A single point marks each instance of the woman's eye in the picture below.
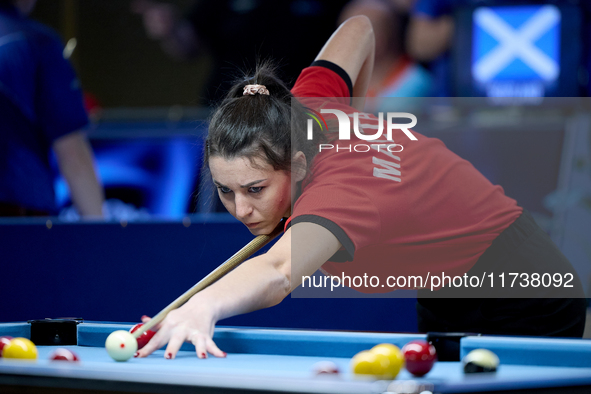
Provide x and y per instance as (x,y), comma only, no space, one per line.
(224,189)
(256,189)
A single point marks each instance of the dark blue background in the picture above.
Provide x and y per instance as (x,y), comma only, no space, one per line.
(107,272)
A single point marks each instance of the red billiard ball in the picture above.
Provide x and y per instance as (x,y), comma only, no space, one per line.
(419,357)
(325,368)
(62,354)
(144,338)
(3,342)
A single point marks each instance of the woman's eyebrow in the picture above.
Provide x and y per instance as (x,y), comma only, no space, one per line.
(253,183)
(243,186)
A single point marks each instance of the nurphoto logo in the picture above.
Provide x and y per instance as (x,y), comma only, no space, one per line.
(366,127)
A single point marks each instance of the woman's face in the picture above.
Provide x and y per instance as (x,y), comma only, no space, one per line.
(257,195)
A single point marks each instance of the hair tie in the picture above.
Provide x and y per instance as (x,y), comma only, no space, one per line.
(254,89)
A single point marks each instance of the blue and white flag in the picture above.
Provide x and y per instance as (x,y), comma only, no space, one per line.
(516,44)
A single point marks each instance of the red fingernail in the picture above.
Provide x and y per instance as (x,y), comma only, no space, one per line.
(225,354)
(168,356)
(136,354)
(203,355)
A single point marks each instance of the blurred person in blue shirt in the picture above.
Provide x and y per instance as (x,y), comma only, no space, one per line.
(429,38)
(41,108)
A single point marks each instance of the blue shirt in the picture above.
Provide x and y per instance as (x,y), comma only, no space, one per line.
(440,67)
(40,101)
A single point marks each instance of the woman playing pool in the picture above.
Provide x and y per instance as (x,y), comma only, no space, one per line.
(417,209)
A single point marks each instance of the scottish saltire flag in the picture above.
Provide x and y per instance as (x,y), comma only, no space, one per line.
(519,43)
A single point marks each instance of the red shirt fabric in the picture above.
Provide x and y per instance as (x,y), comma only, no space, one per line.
(418,211)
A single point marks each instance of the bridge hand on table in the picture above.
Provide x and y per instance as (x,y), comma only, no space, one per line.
(185,324)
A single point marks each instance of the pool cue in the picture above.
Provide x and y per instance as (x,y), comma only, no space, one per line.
(233,262)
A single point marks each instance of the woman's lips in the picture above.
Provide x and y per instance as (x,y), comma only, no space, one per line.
(252,225)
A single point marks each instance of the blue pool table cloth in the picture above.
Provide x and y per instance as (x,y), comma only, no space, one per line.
(282,360)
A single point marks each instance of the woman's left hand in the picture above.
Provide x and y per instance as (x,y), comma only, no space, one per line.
(189,323)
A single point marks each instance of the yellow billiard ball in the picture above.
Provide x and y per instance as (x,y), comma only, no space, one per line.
(21,348)
(394,355)
(369,363)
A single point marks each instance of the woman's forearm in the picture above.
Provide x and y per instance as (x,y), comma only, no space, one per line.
(256,284)
(265,280)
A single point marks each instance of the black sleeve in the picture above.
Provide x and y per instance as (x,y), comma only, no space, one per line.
(337,69)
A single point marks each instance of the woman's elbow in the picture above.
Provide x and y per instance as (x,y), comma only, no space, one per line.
(281,282)
(361,25)
(282,287)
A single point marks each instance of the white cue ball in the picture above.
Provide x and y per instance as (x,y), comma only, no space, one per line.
(121,345)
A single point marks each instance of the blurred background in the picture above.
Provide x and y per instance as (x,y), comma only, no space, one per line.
(150,72)
(117,63)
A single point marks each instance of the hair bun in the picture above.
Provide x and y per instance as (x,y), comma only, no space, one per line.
(254,89)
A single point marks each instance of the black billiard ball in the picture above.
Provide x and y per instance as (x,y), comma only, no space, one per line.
(480,360)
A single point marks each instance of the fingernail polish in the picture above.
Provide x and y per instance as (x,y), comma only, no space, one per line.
(136,354)
(225,354)
(203,355)
(168,356)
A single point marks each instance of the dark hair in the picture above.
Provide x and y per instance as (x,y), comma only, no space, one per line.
(260,125)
